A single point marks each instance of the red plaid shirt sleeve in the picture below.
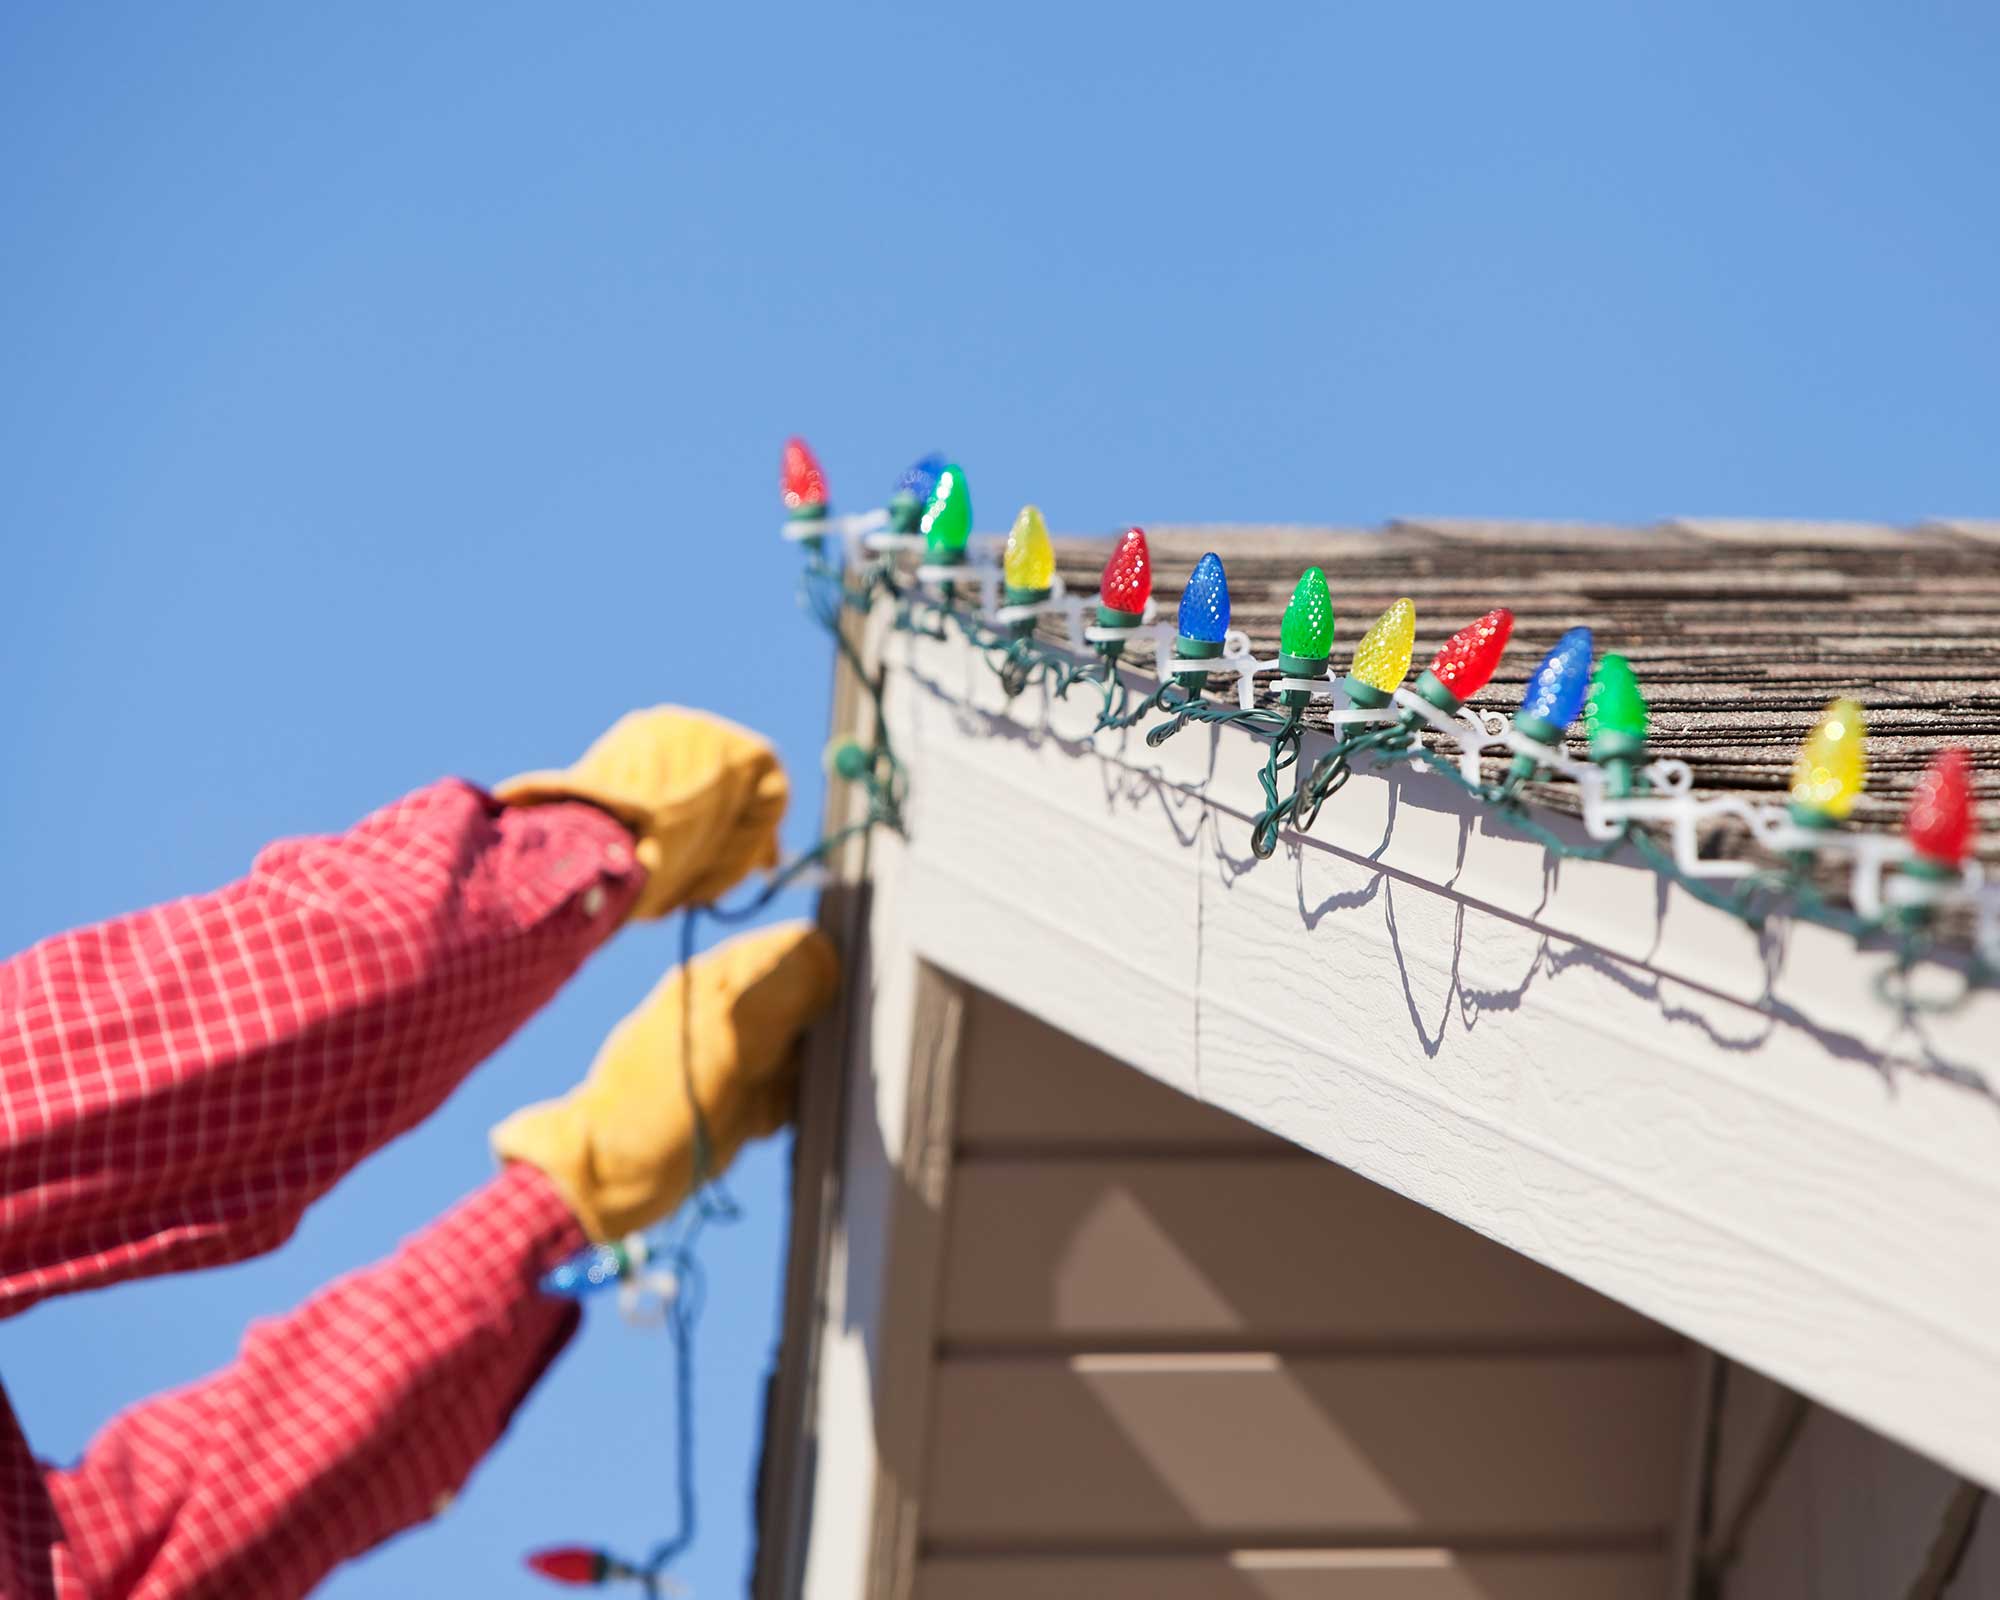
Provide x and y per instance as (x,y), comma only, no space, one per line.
(352,1418)
(177,1085)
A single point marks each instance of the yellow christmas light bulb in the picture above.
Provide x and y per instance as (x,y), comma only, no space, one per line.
(1030,562)
(1382,658)
(1833,763)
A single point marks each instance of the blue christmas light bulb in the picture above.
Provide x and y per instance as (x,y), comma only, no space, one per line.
(1554,697)
(913,491)
(597,1267)
(1205,602)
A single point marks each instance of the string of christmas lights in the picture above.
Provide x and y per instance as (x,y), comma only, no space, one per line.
(1898,884)
(657,1275)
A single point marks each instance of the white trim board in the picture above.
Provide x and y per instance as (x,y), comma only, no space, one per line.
(1611,1078)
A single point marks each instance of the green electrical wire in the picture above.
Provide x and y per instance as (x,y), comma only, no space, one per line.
(1754,899)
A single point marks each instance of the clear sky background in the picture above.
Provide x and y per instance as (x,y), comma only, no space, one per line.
(388,392)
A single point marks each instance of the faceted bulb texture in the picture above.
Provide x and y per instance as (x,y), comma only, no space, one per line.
(1205,601)
(1030,562)
(801,481)
(1833,762)
(1307,631)
(1128,576)
(1467,659)
(1939,823)
(920,478)
(947,522)
(1555,693)
(1382,658)
(1616,705)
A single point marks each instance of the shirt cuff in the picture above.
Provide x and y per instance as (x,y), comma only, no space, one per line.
(569,850)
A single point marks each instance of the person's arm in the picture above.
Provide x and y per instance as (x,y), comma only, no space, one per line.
(362,1412)
(356,1416)
(177,1085)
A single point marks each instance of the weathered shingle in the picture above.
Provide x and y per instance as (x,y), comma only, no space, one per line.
(1739,638)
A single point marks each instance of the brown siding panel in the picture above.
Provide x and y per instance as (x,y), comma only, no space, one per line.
(1304,1575)
(1130,1449)
(1028,1085)
(1238,1251)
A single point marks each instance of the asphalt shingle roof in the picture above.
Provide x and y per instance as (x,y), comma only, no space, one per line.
(1740,631)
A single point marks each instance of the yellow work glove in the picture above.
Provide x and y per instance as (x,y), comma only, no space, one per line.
(621,1145)
(702,797)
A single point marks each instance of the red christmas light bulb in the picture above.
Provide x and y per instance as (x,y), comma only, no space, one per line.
(573,1564)
(1467,659)
(1128,575)
(803,483)
(1939,823)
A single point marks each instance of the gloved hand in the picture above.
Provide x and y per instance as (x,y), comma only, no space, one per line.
(702,797)
(620,1146)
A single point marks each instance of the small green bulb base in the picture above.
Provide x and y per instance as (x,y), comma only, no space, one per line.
(1437,694)
(1112,617)
(816,512)
(1926,869)
(1812,816)
(1021,627)
(846,760)
(943,556)
(1195,650)
(1300,667)
(906,512)
(1542,731)
(1618,754)
(1364,696)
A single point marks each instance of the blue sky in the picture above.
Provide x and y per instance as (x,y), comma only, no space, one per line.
(392,392)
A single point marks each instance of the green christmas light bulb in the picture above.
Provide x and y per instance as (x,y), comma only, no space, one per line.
(1616,720)
(1307,632)
(1308,627)
(947,520)
(1305,638)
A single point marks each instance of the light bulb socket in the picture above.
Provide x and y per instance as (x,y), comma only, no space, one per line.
(1364,696)
(1542,731)
(1607,746)
(1112,617)
(1433,690)
(943,556)
(847,760)
(1619,778)
(1816,817)
(1195,650)
(1933,869)
(815,511)
(1021,627)
(1618,754)
(1300,667)
(906,512)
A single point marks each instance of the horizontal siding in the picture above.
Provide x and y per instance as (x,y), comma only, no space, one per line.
(1176,1356)
(1433,1574)
(1243,1252)
(1133,1449)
